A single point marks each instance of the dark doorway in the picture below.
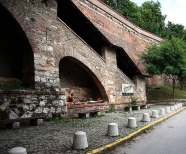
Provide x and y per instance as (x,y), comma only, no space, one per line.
(16,55)
(75,76)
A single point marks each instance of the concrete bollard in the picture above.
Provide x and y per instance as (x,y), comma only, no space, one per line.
(112,129)
(17,150)
(155,113)
(80,140)
(162,111)
(146,117)
(167,109)
(132,122)
(175,107)
(172,108)
(181,105)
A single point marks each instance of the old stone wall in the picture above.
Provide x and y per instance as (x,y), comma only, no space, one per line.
(53,43)
(32,103)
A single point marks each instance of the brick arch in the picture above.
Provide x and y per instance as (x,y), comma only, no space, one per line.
(16,54)
(74,74)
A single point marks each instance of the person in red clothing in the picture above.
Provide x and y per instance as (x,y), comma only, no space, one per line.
(70,98)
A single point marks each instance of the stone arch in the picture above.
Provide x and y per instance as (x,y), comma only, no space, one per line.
(74,75)
(16,54)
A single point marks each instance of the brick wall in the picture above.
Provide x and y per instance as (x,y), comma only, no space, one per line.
(117,29)
(57,49)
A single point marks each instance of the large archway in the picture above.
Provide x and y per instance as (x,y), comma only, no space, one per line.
(16,54)
(76,76)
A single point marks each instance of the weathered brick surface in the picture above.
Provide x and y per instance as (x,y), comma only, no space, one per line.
(52,41)
(117,29)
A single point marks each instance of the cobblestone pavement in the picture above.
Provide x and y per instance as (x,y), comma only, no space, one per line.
(56,137)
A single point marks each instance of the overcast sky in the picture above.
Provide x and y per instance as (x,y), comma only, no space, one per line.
(174,9)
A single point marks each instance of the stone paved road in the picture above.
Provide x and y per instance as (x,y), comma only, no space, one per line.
(56,137)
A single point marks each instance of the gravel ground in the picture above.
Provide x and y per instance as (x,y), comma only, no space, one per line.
(56,137)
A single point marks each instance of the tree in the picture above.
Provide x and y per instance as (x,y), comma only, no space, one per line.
(126,8)
(152,19)
(174,30)
(168,58)
(148,16)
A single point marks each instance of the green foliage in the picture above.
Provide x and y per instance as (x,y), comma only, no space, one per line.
(13,84)
(151,17)
(134,101)
(56,115)
(99,116)
(127,109)
(148,16)
(126,8)
(165,92)
(168,58)
(174,30)
(111,108)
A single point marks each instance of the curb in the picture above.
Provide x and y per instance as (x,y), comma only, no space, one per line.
(108,147)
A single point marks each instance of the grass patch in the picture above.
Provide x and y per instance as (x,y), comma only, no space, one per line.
(165,92)
(58,120)
(99,116)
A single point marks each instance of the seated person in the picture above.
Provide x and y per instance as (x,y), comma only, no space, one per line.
(70,98)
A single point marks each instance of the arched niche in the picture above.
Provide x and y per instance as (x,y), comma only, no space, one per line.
(76,76)
(16,55)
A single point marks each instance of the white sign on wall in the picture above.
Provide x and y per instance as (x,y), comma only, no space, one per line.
(127,89)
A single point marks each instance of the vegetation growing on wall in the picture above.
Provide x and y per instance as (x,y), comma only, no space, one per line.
(13,84)
(149,17)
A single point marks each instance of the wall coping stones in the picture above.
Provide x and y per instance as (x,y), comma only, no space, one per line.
(32,92)
(128,23)
(85,105)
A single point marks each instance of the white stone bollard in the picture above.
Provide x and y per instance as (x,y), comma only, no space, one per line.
(112,129)
(132,122)
(80,140)
(167,109)
(172,108)
(17,150)
(181,104)
(145,117)
(155,113)
(175,107)
(178,105)
(162,111)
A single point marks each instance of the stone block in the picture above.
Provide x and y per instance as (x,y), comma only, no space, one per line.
(13,115)
(16,125)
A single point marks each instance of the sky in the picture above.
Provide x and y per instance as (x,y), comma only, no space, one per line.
(174,9)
